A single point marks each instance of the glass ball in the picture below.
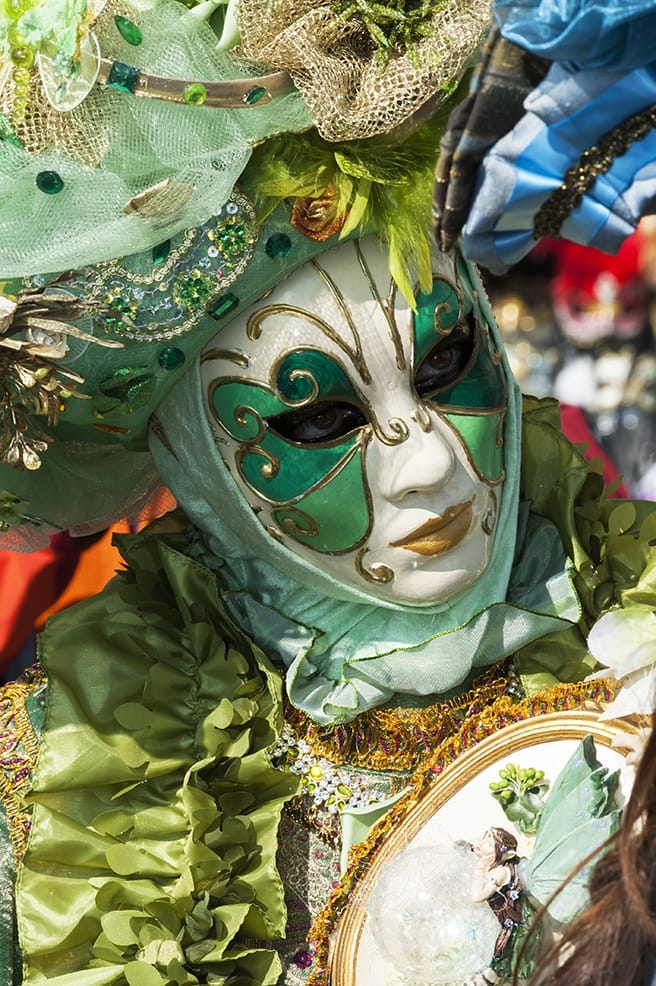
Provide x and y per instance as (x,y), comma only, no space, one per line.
(424,921)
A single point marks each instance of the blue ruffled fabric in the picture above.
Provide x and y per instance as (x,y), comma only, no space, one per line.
(567,114)
(614,34)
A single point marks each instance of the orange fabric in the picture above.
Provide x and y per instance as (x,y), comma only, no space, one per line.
(96,566)
(98,563)
(27,582)
(35,585)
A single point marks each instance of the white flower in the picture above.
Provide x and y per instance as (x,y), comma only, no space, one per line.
(624,641)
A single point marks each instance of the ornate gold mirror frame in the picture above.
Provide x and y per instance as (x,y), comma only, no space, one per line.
(515,740)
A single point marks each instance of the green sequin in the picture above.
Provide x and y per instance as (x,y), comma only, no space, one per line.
(195,288)
(123,77)
(171,358)
(49,182)
(254,95)
(128,30)
(278,246)
(195,94)
(161,251)
(223,306)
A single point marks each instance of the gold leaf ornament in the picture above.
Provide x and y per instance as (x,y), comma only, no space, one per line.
(34,327)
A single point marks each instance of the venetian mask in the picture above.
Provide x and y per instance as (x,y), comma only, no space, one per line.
(365,436)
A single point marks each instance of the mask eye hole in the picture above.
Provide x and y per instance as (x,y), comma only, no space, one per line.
(446,361)
(320,423)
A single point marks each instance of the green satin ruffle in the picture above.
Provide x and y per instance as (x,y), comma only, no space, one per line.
(612,543)
(156,807)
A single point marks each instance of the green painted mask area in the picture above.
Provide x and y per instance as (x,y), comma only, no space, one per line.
(308,372)
(275,468)
(442,308)
(281,471)
(483,387)
(241,406)
(479,432)
(334,518)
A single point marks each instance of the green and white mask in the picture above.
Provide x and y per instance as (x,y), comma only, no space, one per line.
(365,436)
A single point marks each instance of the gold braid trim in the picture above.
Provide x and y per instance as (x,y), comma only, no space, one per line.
(501,713)
(581,176)
(19,747)
(400,739)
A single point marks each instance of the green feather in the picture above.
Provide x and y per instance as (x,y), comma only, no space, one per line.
(384,186)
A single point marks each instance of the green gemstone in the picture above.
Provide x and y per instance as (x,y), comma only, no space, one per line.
(49,182)
(195,94)
(254,95)
(278,246)
(223,306)
(123,77)
(171,358)
(128,30)
(161,251)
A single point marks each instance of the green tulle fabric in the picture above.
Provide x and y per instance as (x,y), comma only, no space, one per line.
(156,808)
(612,543)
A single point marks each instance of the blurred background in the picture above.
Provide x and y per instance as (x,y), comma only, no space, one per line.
(579,325)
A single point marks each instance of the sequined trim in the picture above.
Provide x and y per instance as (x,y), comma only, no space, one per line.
(326,790)
(400,738)
(477,727)
(19,747)
(580,178)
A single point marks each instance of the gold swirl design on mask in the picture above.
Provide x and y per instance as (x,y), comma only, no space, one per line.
(398,431)
(251,446)
(242,413)
(386,306)
(306,375)
(232,355)
(443,307)
(269,470)
(421,416)
(301,373)
(378,574)
(307,527)
(255,327)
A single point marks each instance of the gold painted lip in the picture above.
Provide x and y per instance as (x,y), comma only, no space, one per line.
(440,533)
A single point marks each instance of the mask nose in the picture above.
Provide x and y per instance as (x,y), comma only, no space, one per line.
(424,461)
